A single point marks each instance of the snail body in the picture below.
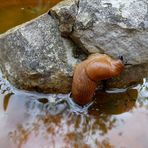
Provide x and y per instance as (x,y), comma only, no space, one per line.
(95,68)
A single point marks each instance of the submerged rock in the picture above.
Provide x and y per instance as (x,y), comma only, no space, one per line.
(34,56)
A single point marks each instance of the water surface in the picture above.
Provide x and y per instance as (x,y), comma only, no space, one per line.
(16,12)
(115,119)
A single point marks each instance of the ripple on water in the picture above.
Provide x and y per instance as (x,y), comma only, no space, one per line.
(31,119)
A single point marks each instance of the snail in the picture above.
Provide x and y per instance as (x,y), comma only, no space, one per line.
(95,68)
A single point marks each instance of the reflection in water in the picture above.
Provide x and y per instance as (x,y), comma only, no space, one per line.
(6,100)
(115,103)
(47,120)
(143,93)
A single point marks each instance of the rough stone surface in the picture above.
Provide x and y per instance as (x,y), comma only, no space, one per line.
(34,56)
(115,27)
(65,12)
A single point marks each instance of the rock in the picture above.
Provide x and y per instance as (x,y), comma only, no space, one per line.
(117,28)
(35,57)
(65,12)
(131,76)
(112,27)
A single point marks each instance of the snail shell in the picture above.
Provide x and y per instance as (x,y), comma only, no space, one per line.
(95,68)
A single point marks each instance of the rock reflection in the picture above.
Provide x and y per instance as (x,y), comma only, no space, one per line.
(35,125)
(6,100)
(69,129)
(46,120)
(143,93)
(115,103)
(65,130)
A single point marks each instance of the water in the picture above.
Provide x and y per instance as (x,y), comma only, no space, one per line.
(16,12)
(116,118)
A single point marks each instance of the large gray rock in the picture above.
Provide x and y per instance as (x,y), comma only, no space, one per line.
(114,27)
(34,56)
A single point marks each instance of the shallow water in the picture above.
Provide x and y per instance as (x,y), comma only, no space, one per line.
(115,119)
(16,12)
